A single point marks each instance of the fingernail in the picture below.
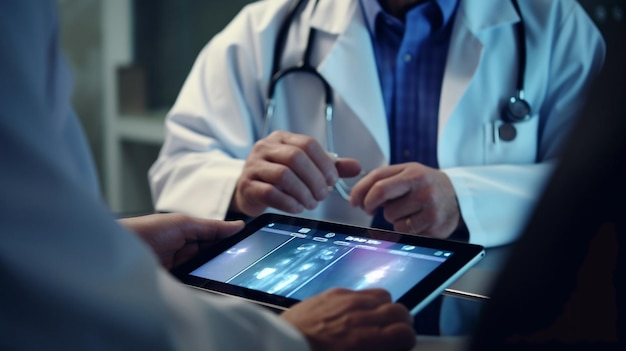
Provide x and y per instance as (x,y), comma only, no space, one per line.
(331,179)
(311,204)
(332,155)
(322,193)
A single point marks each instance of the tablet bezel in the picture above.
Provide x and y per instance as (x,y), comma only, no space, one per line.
(465,255)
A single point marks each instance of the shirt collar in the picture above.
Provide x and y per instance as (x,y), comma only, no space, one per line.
(372,8)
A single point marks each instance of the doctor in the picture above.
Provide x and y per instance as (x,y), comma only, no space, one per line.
(417,91)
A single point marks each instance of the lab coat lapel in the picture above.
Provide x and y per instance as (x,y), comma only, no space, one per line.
(466,48)
(350,66)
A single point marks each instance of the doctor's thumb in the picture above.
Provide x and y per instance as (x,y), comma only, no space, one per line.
(348,167)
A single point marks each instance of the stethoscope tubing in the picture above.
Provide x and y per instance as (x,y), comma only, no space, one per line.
(516,108)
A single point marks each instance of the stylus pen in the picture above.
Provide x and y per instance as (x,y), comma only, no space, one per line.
(465,295)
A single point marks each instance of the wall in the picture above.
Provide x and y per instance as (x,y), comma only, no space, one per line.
(167,36)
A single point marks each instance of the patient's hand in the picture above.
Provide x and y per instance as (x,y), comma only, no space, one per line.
(341,319)
(175,237)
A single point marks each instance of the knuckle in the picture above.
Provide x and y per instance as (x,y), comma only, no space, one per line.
(348,321)
(294,155)
(308,143)
(265,193)
(282,175)
(259,147)
(417,178)
(376,173)
(244,183)
(352,304)
(336,291)
(396,310)
(277,134)
(383,294)
(380,189)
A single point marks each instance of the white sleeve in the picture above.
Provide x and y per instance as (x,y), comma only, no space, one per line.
(72,278)
(217,116)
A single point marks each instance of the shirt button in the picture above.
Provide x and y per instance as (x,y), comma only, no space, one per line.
(407,57)
(406,153)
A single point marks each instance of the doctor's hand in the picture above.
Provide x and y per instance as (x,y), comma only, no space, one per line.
(415,198)
(341,319)
(176,238)
(289,172)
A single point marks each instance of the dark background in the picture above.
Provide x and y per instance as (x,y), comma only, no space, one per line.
(169,34)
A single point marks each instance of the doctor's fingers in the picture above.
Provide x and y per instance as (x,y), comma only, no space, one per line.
(432,223)
(296,161)
(380,186)
(408,215)
(435,217)
(348,167)
(417,223)
(297,146)
(252,197)
(285,191)
(429,209)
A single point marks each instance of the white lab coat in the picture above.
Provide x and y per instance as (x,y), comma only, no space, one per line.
(72,278)
(219,113)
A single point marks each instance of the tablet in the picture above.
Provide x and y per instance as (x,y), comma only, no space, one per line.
(278,260)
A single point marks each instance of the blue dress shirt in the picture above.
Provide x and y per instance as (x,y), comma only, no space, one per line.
(411,57)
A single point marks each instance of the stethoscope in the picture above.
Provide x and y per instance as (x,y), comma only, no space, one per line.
(516,108)
(303,67)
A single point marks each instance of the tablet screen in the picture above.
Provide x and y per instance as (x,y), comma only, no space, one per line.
(299,262)
(281,260)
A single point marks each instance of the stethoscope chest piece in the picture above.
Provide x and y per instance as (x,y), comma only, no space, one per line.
(517,109)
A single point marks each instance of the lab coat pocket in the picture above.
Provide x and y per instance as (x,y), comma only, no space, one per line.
(507,143)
